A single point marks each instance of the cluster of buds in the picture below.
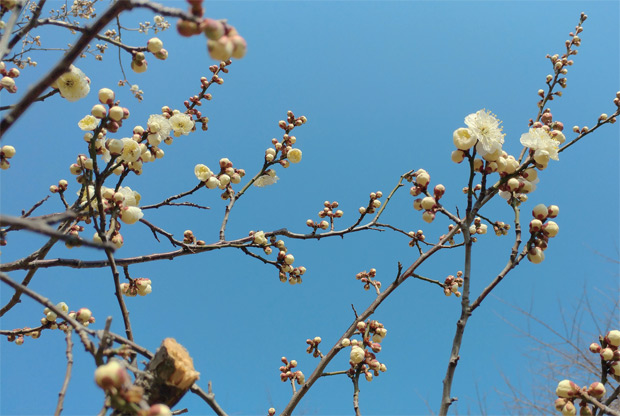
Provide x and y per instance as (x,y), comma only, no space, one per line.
(60,188)
(138,62)
(541,231)
(196,100)
(416,237)
(373,203)
(360,358)
(501,228)
(111,114)
(367,277)
(285,260)
(429,203)
(617,103)
(283,152)
(116,238)
(123,202)
(140,286)
(114,379)
(567,392)
(190,238)
(458,231)
(223,40)
(222,180)
(287,372)
(19,334)
(313,347)
(329,211)
(83,316)
(285,264)
(515,189)
(609,350)
(452,284)
(156,47)
(6,152)
(561,63)
(74,231)
(7,80)
(477,227)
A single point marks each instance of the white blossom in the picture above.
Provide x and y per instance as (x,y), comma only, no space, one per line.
(73,85)
(181,124)
(541,142)
(485,127)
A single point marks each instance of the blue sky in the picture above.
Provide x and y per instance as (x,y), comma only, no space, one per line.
(383,85)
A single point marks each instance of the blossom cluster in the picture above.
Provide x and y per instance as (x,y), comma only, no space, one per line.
(138,59)
(190,238)
(416,237)
(429,204)
(368,278)
(6,152)
(452,284)
(284,261)
(609,351)
(373,204)
(287,372)
(541,231)
(329,211)
(223,40)
(361,359)
(224,179)
(140,286)
(49,321)
(313,347)
(7,78)
(567,391)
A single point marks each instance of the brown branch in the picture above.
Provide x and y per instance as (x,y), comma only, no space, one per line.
(81,329)
(65,384)
(62,65)
(35,206)
(209,398)
(319,370)
(119,295)
(41,227)
(608,410)
(174,197)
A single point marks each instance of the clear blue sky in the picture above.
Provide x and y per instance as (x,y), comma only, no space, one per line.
(383,85)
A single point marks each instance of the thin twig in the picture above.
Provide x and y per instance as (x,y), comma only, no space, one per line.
(65,384)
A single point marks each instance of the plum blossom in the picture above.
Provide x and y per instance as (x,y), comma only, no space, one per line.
(182,124)
(269,178)
(130,215)
(159,128)
(202,172)
(73,85)
(294,156)
(485,127)
(88,123)
(544,146)
(131,150)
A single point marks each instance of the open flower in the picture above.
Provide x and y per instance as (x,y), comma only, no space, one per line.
(131,215)
(269,178)
(181,124)
(540,141)
(159,128)
(73,85)
(131,150)
(88,123)
(485,127)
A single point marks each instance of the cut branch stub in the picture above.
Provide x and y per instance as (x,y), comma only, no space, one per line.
(169,375)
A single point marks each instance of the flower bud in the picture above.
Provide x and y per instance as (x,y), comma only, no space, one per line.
(567,389)
(357,355)
(597,390)
(613,338)
(551,229)
(540,212)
